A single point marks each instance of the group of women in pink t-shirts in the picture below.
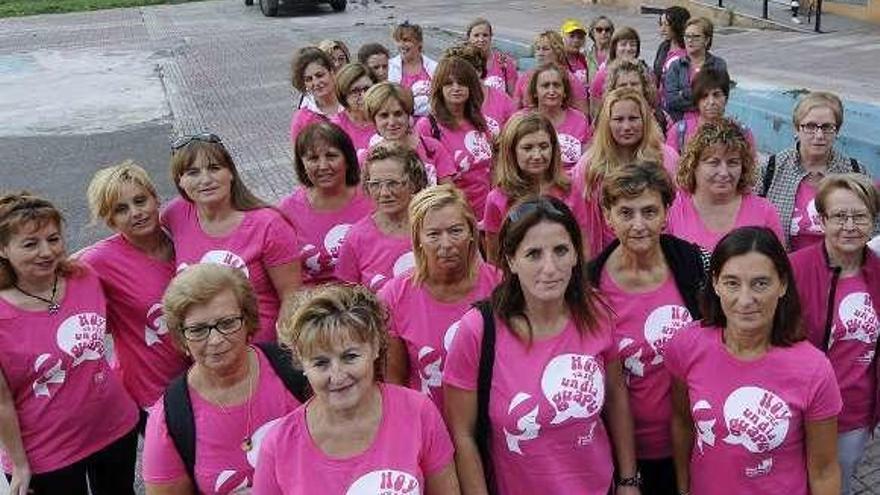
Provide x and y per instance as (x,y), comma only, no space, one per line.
(575,279)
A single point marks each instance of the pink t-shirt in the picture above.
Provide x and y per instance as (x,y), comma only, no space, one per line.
(500,71)
(264,239)
(596,231)
(749,415)
(321,232)
(498,204)
(146,357)
(302,117)
(851,351)
(370,257)
(472,155)
(68,400)
(419,83)
(222,467)
(684,221)
(410,445)
(360,134)
(578,67)
(644,324)
(521,93)
(806,222)
(574,135)
(497,109)
(433,154)
(427,326)
(545,407)
(597,85)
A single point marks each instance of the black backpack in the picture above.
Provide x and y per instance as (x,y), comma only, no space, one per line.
(178,406)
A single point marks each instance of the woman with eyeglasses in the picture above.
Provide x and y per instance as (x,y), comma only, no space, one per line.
(533,387)
(390,107)
(625,133)
(337,51)
(679,77)
(754,404)
(457,121)
(651,279)
(135,266)
(790,178)
(312,74)
(601,30)
(231,396)
(501,70)
(352,83)
(217,219)
(328,200)
(550,94)
(66,422)
(549,48)
(529,164)
(426,304)
(839,285)
(379,246)
(715,179)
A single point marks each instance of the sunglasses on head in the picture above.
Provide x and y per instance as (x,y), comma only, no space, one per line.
(205,137)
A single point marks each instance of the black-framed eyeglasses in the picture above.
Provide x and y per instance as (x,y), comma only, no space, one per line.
(205,137)
(226,326)
(527,208)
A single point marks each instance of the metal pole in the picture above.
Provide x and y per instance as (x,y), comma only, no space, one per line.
(818,16)
(720,4)
(764,13)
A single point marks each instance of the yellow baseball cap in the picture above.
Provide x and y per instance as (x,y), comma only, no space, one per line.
(571,25)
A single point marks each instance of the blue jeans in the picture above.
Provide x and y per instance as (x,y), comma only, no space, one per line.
(850,449)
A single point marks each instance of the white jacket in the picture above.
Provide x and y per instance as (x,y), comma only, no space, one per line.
(395,75)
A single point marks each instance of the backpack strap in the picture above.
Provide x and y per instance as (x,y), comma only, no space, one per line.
(769,172)
(682,134)
(180,423)
(484,389)
(428,150)
(282,364)
(829,313)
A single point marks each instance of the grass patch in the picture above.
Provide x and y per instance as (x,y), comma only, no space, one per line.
(14,8)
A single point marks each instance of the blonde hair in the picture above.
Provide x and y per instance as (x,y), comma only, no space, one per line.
(858,184)
(818,99)
(431,199)
(622,66)
(603,152)
(557,44)
(327,46)
(727,133)
(106,186)
(413,168)
(21,209)
(380,93)
(321,317)
(182,159)
(198,285)
(347,75)
(508,174)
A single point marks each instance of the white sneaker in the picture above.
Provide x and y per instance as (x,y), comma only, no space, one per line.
(795,20)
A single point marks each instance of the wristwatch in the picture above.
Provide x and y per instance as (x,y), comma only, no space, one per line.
(635,481)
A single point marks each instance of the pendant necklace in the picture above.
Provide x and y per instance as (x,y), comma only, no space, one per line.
(247,443)
(53,305)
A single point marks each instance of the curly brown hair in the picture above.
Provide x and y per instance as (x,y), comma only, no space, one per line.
(728,133)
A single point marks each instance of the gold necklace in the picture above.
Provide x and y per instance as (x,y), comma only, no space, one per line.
(247,443)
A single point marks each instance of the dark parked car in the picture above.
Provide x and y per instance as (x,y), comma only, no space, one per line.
(270,7)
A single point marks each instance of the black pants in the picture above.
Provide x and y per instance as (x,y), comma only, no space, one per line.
(110,471)
(658,476)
